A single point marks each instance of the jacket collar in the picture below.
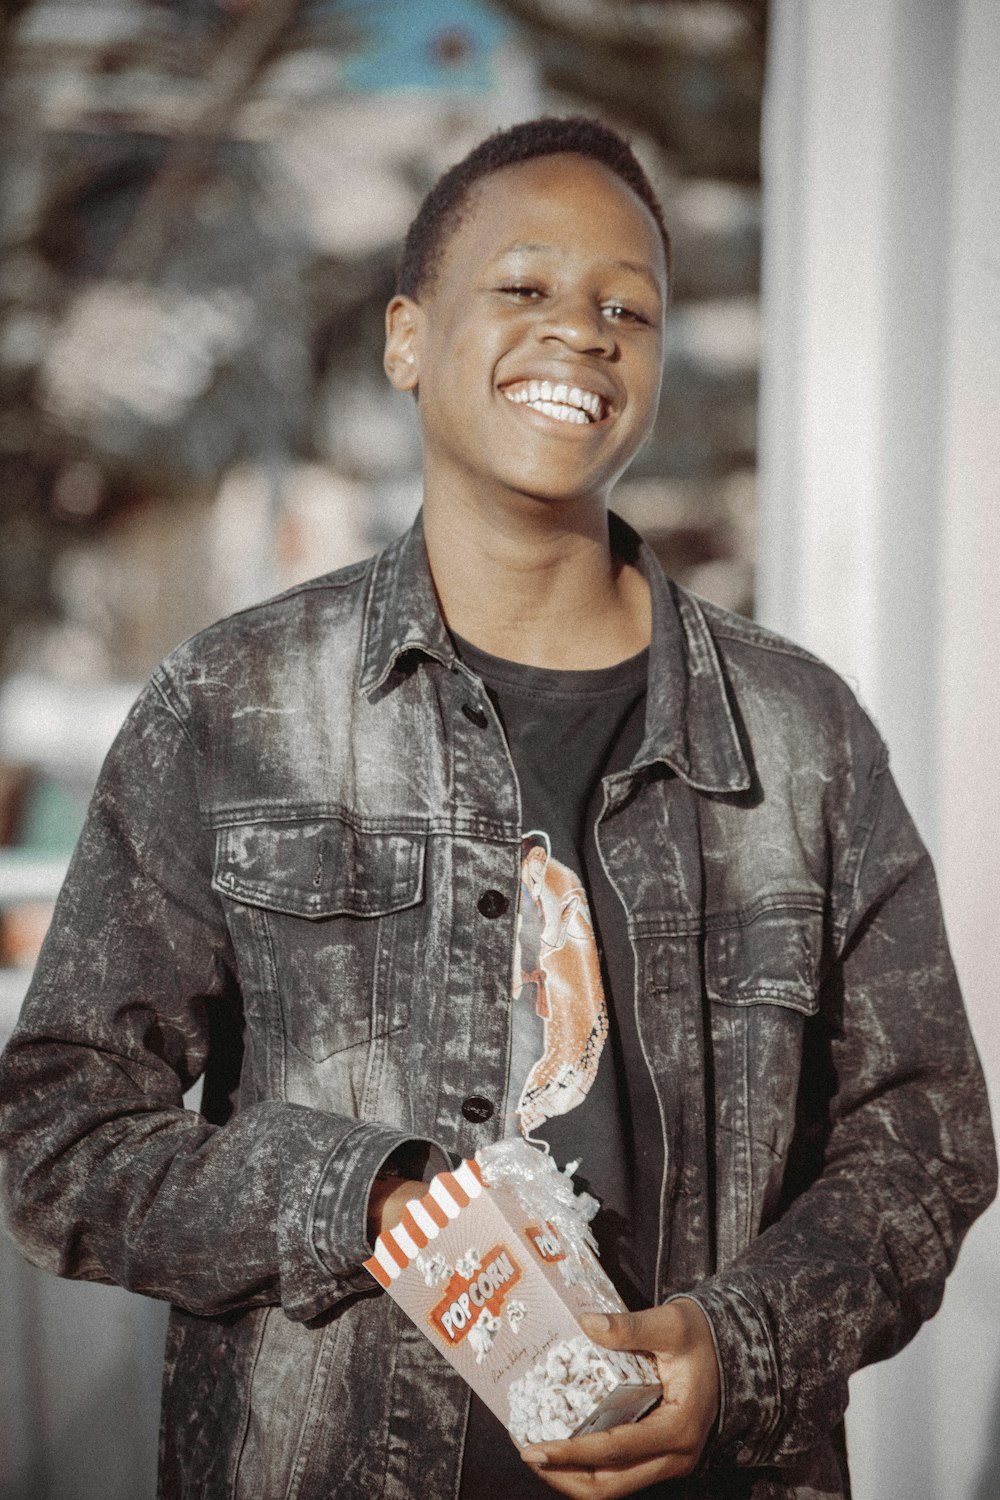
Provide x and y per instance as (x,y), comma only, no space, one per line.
(689,721)
(402,613)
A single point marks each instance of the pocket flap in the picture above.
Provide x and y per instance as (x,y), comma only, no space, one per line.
(772,960)
(319,868)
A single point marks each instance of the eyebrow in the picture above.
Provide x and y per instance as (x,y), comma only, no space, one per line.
(626,265)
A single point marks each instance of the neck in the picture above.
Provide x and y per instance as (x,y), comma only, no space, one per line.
(538,584)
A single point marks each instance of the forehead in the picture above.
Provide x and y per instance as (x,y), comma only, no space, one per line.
(568,203)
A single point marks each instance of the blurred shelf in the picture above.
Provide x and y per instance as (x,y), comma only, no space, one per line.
(30,877)
(13,984)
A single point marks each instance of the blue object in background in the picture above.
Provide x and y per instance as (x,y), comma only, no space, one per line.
(51,820)
(426,45)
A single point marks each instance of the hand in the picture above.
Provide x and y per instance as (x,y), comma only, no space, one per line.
(668,1443)
(387,1200)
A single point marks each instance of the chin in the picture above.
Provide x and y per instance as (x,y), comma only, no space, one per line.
(583,492)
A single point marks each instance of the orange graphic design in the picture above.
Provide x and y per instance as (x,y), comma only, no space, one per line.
(479,1297)
(545,1241)
(556,958)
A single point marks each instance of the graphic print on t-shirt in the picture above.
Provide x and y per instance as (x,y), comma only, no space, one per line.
(557,969)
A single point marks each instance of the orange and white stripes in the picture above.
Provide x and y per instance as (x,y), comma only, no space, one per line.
(423,1220)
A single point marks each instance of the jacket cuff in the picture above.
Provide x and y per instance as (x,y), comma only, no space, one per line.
(339,1210)
(750,1377)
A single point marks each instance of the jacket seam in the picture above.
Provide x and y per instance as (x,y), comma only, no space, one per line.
(457,823)
(857,851)
(248,1403)
(770,993)
(775,644)
(761,1449)
(160,683)
(725,921)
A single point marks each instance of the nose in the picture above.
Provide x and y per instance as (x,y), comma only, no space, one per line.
(579,323)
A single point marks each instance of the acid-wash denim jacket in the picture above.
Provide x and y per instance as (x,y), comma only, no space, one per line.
(280,886)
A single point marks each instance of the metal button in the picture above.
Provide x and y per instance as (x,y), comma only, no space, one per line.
(492,904)
(475,715)
(477,1109)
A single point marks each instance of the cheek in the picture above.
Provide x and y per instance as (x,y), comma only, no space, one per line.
(646,382)
(462,364)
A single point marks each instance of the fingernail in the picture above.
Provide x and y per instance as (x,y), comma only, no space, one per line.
(535,1456)
(595,1323)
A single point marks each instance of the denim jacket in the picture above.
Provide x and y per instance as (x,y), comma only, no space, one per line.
(280,887)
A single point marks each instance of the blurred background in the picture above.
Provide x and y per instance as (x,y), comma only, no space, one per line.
(201,204)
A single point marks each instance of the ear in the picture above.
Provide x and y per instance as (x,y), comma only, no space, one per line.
(403,318)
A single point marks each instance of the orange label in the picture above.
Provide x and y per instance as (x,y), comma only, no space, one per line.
(467,1297)
(545,1242)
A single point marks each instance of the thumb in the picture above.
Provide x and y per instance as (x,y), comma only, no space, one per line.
(668,1329)
(616,1330)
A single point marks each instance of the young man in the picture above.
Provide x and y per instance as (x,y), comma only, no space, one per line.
(501,830)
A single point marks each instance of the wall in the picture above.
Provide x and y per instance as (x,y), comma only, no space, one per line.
(879,478)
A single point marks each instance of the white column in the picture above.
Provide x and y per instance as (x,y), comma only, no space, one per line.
(969,708)
(880,414)
(969,617)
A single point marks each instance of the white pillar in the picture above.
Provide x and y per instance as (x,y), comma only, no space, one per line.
(880,412)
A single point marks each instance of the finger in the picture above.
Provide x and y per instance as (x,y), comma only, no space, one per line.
(655,1328)
(607,1484)
(614,1331)
(668,1434)
(676,1328)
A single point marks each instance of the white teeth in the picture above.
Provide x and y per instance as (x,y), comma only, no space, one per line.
(561,412)
(568,403)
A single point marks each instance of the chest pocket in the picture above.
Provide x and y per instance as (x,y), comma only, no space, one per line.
(762,981)
(335,911)
(772,960)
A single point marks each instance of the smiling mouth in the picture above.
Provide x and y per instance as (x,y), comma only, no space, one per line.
(567,403)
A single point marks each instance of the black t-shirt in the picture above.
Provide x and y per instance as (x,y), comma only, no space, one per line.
(577,1080)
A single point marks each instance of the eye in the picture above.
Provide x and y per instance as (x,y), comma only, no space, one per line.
(617,312)
(522,290)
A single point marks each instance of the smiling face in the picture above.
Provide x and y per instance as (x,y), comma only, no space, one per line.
(538,348)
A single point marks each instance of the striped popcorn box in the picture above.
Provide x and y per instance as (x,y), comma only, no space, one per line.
(499,1293)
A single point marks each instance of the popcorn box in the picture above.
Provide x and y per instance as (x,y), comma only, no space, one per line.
(498,1292)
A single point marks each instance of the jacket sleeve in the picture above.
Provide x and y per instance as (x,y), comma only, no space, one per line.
(106,1175)
(886,1176)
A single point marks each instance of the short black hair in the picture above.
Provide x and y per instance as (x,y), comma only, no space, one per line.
(550,135)
(535,840)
